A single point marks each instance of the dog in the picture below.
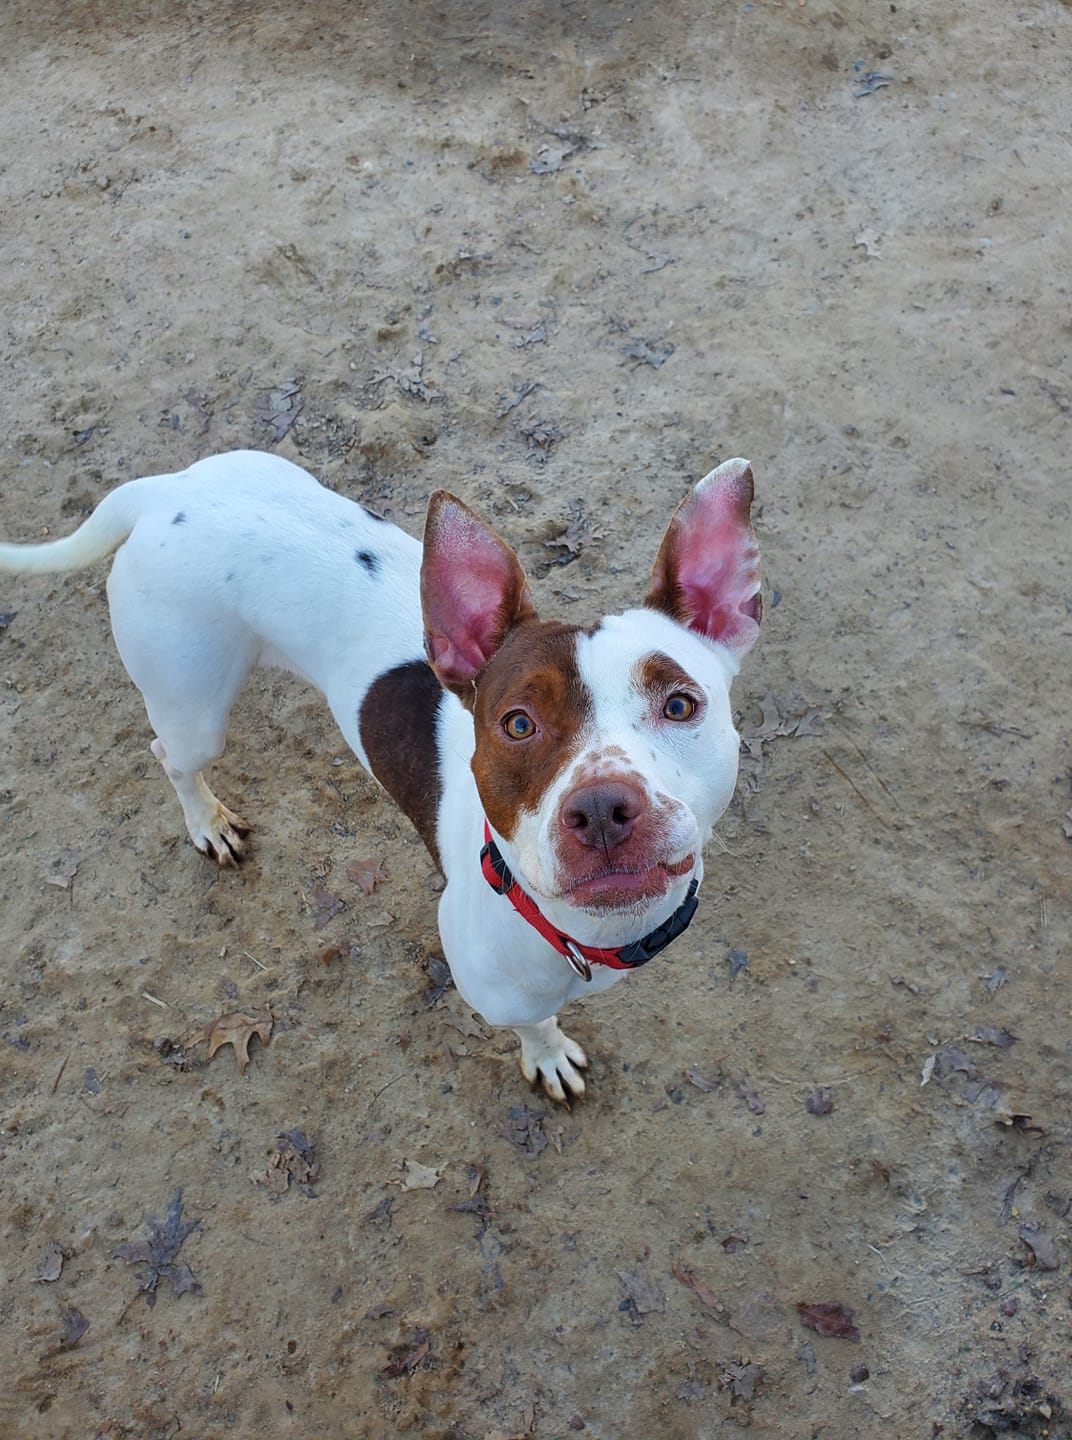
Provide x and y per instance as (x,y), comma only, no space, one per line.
(563,777)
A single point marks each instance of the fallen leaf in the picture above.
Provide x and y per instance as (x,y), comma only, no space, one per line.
(689,1278)
(578,535)
(525,1129)
(74,1326)
(366,874)
(292,1159)
(381,1215)
(741,1379)
(642,1295)
(8,615)
(441,980)
(829,1319)
(738,961)
(418,1176)
(949,1060)
(50,1264)
(703,1082)
(990,1035)
(237,1029)
(158,1253)
(644,352)
(410,1360)
(541,435)
(549,158)
(868,239)
(1041,1248)
(63,869)
(819,1102)
(325,907)
(751,1099)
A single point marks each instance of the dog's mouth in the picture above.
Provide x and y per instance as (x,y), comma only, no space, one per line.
(615,888)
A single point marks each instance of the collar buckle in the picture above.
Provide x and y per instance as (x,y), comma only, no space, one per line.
(574,959)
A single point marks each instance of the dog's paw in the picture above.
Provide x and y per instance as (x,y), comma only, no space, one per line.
(552,1060)
(224,838)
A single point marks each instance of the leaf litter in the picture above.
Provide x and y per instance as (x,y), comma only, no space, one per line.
(236,1028)
(828,1318)
(292,1159)
(159,1253)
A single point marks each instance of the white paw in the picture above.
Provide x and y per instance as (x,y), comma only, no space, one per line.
(554,1061)
(223,838)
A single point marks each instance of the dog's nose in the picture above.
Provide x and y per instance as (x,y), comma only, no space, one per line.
(602,816)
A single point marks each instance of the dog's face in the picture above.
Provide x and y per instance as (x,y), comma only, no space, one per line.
(603,756)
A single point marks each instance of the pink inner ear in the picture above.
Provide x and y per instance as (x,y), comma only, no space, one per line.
(473,591)
(706,574)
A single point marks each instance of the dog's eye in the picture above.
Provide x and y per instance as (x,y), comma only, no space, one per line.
(519,726)
(680,707)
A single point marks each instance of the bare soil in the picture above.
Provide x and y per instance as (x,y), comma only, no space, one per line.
(560,258)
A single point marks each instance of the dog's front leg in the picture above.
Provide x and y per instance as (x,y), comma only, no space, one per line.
(553,1059)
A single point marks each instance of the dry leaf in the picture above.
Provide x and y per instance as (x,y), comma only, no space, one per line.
(366,874)
(868,239)
(741,1379)
(410,1360)
(51,1264)
(63,869)
(74,1325)
(990,1035)
(159,1253)
(830,1319)
(1041,1249)
(292,1159)
(642,1295)
(238,1029)
(326,906)
(418,1176)
(819,1102)
(687,1276)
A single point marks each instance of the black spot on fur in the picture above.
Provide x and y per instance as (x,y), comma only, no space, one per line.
(180,519)
(371,562)
(397,724)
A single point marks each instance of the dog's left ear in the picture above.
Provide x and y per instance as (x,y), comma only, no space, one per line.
(706,575)
(473,591)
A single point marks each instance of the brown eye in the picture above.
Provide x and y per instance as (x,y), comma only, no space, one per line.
(680,707)
(519,726)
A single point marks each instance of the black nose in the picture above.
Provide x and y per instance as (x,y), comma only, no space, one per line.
(602,816)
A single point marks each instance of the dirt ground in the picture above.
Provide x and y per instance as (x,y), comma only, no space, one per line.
(560,258)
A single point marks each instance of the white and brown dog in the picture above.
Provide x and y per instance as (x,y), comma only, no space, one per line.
(565,778)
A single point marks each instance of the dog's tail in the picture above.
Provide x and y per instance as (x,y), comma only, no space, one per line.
(103,532)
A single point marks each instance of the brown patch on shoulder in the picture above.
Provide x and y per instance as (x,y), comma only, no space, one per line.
(397,724)
(535,670)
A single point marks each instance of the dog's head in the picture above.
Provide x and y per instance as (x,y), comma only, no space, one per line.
(603,755)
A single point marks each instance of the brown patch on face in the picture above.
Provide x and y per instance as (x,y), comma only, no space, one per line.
(536,671)
(658,676)
(397,724)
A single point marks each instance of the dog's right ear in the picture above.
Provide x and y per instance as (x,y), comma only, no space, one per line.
(473,591)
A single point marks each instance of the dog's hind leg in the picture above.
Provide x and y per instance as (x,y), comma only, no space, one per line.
(189,667)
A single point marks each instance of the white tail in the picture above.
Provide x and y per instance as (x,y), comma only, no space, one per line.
(103,532)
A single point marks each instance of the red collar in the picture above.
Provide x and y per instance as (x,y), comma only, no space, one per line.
(582,957)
